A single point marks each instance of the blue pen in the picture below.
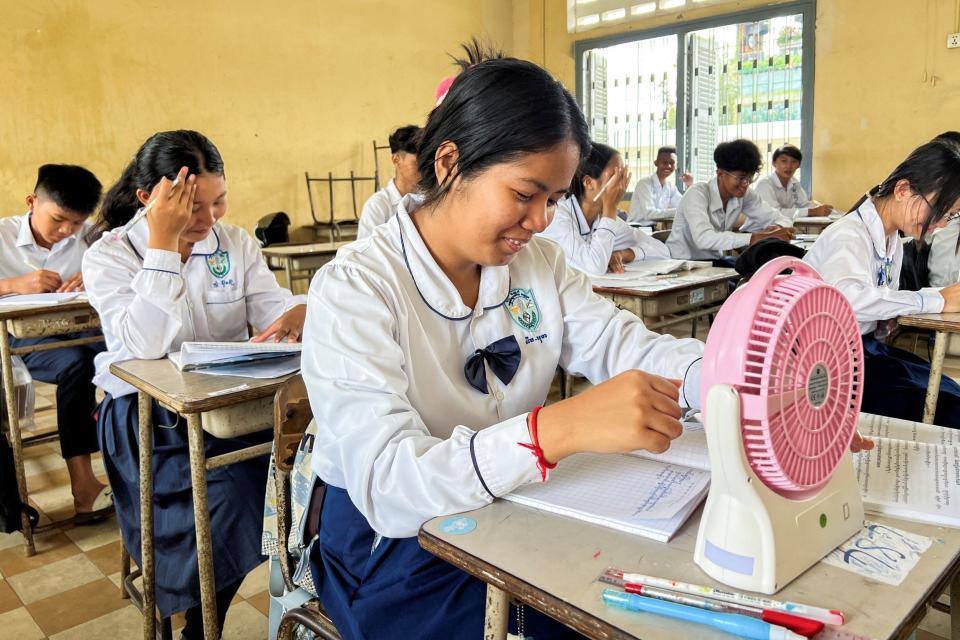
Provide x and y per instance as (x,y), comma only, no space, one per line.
(734,623)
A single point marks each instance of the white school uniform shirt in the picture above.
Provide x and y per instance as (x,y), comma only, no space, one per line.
(386,339)
(702,228)
(20,254)
(378,209)
(790,201)
(589,248)
(149,302)
(653,201)
(852,254)
(944,263)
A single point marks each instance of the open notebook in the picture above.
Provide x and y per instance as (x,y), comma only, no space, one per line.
(650,274)
(641,493)
(914,471)
(204,355)
(41,299)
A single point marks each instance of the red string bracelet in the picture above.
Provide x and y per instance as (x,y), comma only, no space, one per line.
(535,449)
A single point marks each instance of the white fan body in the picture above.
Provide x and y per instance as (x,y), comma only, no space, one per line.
(752,538)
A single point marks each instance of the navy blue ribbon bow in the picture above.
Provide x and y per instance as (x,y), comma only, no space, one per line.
(503,358)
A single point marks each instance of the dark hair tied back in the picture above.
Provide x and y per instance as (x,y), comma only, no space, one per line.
(591,165)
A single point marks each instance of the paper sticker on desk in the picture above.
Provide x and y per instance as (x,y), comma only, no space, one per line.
(697,295)
(879,552)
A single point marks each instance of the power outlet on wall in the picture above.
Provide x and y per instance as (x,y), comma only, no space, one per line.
(953,40)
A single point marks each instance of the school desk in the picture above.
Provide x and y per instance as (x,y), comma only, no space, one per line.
(551,563)
(37,322)
(813,225)
(301,261)
(943,324)
(223,406)
(701,293)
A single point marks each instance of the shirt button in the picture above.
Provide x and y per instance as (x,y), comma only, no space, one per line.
(499,395)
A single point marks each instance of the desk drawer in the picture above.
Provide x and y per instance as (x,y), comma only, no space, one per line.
(53,324)
(685,300)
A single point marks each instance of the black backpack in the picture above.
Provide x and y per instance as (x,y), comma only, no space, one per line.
(10,505)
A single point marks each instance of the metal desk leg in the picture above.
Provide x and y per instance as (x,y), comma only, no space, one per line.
(495,625)
(288,267)
(201,514)
(145,407)
(955,607)
(16,439)
(936,370)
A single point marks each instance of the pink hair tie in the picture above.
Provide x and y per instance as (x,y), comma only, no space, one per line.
(442,88)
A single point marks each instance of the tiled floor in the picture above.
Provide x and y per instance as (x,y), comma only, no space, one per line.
(69,590)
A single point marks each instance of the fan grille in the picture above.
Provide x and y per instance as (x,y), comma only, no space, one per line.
(804,365)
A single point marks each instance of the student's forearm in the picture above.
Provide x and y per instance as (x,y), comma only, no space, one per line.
(7,286)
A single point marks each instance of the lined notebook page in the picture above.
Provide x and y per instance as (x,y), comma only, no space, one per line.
(621,491)
(689,450)
(244,347)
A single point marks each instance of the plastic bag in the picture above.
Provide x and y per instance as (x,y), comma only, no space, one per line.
(24,393)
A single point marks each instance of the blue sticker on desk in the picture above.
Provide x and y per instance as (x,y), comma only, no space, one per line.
(458,525)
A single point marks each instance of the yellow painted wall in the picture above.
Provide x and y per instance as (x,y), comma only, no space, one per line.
(874,98)
(279,87)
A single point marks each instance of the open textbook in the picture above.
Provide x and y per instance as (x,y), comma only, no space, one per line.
(204,355)
(650,274)
(642,493)
(912,473)
(41,299)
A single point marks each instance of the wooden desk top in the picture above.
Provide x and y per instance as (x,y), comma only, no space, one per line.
(191,392)
(824,221)
(316,248)
(935,321)
(11,313)
(705,276)
(553,562)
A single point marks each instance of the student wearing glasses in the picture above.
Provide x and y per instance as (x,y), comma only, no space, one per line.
(706,222)
(861,255)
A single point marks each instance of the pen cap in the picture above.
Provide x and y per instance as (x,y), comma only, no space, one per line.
(802,626)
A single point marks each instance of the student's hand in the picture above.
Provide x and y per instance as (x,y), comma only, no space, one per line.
(781,233)
(287,327)
(822,210)
(951,298)
(860,443)
(611,198)
(620,258)
(687,179)
(171,210)
(39,281)
(73,283)
(634,410)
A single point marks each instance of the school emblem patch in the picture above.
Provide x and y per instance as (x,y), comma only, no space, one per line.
(219,263)
(523,309)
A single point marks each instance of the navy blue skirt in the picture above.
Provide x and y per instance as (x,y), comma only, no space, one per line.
(895,385)
(235,494)
(398,590)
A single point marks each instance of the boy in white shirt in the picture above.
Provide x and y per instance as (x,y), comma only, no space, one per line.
(783,192)
(655,197)
(709,212)
(41,252)
(383,204)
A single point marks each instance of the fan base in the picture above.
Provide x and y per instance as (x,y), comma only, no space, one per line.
(752,538)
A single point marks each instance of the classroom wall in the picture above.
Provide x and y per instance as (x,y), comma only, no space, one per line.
(884,81)
(280,88)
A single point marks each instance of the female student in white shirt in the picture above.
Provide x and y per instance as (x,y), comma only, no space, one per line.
(782,191)
(429,346)
(861,255)
(591,235)
(178,275)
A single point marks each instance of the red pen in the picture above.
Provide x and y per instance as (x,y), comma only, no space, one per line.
(803,626)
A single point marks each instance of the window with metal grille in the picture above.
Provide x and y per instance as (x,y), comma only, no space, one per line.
(747,75)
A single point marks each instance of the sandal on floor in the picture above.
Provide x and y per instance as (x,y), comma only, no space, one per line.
(102,508)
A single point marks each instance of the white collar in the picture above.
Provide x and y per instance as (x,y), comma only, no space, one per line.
(433,285)
(884,245)
(581,218)
(716,202)
(392,192)
(138,236)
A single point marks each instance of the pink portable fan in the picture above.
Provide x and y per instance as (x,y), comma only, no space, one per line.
(780,387)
